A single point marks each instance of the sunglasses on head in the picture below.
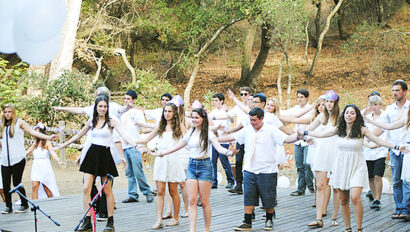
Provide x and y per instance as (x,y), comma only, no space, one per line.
(243,94)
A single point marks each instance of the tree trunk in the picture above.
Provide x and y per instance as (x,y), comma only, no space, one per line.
(280,80)
(289,80)
(64,59)
(341,22)
(380,11)
(317,23)
(261,59)
(247,54)
(174,72)
(187,92)
(322,36)
(306,47)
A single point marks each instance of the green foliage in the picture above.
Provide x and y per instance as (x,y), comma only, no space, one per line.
(71,89)
(10,82)
(149,88)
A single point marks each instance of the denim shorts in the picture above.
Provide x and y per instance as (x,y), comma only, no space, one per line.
(261,185)
(200,169)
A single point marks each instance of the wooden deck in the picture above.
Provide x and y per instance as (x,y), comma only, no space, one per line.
(293,213)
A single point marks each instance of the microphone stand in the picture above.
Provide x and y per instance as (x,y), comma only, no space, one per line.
(34,209)
(109,177)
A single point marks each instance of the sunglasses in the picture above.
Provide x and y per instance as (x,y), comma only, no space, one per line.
(243,94)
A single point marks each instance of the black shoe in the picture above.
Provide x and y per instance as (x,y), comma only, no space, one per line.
(22,209)
(7,210)
(86,226)
(374,204)
(230,185)
(370,195)
(243,227)
(102,216)
(110,224)
(150,197)
(130,200)
(214,186)
(268,225)
(297,193)
(312,190)
(237,189)
(253,216)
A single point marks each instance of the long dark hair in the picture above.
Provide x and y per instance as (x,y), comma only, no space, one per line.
(42,142)
(101,97)
(335,114)
(356,131)
(175,123)
(203,138)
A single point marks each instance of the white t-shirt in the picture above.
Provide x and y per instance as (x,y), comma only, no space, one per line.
(239,113)
(294,110)
(114,110)
(128,120)
(380,152)
(13,150)
(195,150)
(268,118)
(392,113)
(263,147)
(225,122)
(154,114)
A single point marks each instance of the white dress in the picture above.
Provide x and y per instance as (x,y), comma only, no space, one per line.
(42,171)
(311,153)
(325,151)
(350,169)
(168,168)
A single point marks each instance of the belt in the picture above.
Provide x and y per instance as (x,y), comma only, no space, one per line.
(201,158)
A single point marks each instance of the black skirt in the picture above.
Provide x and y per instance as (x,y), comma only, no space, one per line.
(99,162)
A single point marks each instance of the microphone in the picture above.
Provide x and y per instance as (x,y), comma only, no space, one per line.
(16,188)
(109,176)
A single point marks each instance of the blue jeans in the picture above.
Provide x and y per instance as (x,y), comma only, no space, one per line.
(305,175)
(225,164)
(401,189)
(135,173)
(199,169)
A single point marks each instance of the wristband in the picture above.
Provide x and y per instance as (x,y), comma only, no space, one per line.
(397,147)
(305,133)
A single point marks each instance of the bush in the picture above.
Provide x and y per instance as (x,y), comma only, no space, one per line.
(11,87)
(71,89)
(149,88)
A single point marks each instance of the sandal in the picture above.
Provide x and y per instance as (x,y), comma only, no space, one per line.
(359,230)
(318,223)
(173,222)
(184,214)
(402,216)
(324,214)
(395,216)
(157,226)
(349,230)
(167,216)
(334,222)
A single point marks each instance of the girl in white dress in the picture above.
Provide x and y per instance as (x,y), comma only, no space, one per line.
(349,174)
(167,169)
(42,175)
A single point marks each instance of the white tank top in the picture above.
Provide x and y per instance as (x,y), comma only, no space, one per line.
(102,137)
(13,150)
(40,153)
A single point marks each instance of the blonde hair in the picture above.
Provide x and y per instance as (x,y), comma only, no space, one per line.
(104,90)
(375,100)
(5,122)
(316,113)
(275,104)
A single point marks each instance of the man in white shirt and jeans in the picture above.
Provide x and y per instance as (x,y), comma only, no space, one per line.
(260,165)
(401,189)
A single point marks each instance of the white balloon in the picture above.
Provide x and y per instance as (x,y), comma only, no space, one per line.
(7,10)
(6,37)
(41,19)
(283,182)
(37,53)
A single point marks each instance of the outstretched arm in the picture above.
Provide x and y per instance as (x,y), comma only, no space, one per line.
(392,126)
(323,134)
(243,107)
(148,138)
(219,148)
(182,143)
(27,128)
(31,149)
(122,133)
(72,110)
(293,119)
(76,137)
(53,153)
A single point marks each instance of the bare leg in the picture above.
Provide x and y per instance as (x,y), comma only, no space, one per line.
(2,195)
(378,181)
(48,191)
(192,186)
(34,187)
(336,203)
(88,183)
(321,183)
(169,201)
(204,193)
(184,195)
(328,192)
(358,206)
(160,202)
(110,196)
(173,191)
(372,186)
(344,202)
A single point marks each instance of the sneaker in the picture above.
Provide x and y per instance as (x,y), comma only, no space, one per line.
(312,190)
(297,193)
(370,195)
(150,197)
(102,216)
(214,186)
(376,205)
(7,210)
(130,200)
(237,189)
(230,185)
(268,225)
(22,209)
(110,225)
(243,227)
